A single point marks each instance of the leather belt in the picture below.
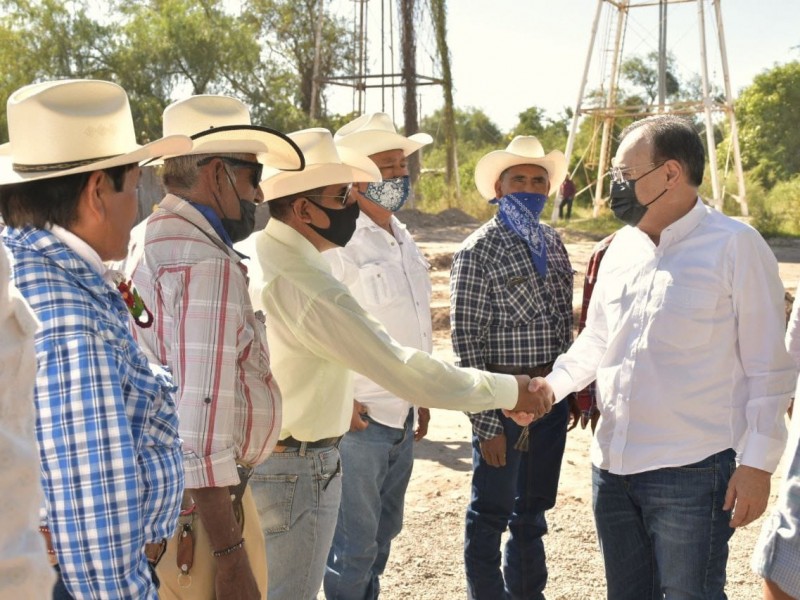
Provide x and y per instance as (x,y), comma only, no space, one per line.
(536,371)
(290,442)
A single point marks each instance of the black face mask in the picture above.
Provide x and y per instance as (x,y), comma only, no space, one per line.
(624,204)
(239,229)
(343,223)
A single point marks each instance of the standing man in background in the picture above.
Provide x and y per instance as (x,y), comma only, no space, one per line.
(511,312)
(388,275)
(567,194)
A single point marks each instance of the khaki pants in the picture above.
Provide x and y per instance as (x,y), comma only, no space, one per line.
(199,584)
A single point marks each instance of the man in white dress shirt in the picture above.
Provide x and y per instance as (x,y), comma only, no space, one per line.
(388,275)
(685,337)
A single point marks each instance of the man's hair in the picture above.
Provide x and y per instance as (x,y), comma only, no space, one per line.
(51,201)
(673,138)
(280,208)
(180,172)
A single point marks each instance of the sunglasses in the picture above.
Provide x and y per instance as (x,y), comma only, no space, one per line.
(341,198)
(256,168)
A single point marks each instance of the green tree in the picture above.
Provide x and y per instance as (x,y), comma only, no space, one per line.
(473,127)
(767,112)
(552,133)
(642,74)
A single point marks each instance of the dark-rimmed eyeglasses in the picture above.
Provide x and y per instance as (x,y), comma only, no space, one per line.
(256,168)
(620,174)
(340,198)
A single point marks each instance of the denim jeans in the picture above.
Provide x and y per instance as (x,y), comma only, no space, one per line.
(297,493)
(516,497)
(376,466)
(663,533)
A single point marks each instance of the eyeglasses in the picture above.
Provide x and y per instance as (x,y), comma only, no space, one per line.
(341,198)
(256,167)
(620,174)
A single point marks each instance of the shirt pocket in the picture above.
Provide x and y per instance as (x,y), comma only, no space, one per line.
(685,317)
(518,297)
(379,285)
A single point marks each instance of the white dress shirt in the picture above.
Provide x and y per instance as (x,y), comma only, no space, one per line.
(25,571)
(388,275)
(317,332)
(686,341)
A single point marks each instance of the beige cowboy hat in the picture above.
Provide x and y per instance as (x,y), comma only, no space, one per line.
(221,124)
(325,165)
(523,150)
(374,132)
(70,126)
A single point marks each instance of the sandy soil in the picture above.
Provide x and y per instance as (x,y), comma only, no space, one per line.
(427,561)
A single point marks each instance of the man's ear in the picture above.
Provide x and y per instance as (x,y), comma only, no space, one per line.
(90,203)
(674,171)
(300,209)
(497,189)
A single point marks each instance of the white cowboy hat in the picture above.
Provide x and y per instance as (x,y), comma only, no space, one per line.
(325,165)
(523,150)
(374,132)
(59,128)
(221,124)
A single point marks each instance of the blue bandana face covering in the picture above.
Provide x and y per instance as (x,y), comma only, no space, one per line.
(391,194)
(520,213)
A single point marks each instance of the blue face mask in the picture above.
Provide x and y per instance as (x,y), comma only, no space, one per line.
(391,194)
(520,213)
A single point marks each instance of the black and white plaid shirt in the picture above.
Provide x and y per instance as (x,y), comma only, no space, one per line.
(502,311)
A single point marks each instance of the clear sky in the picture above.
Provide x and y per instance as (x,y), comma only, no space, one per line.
(508,55)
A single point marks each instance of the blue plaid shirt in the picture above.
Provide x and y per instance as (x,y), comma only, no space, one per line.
(105,422)
(502,311)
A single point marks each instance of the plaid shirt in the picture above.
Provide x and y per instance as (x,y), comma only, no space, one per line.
(106,424)
(205,329)
(502,311)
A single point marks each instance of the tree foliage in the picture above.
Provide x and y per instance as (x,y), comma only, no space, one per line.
(473,127)
(767,114)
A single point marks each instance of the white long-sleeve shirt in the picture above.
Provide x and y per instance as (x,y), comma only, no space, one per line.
(388,275)
(686,340)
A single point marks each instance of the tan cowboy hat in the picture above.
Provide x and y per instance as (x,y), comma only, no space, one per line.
(325,165)
(523,150)
(221,124)
(59,128)
(374,132)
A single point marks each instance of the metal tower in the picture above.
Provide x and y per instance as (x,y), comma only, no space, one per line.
(610,109)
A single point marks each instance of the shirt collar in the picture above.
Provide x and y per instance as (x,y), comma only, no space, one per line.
(294,240)
(213,220)
(86,252)
(675,232)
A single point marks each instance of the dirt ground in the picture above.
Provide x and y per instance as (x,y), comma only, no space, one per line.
(426,561)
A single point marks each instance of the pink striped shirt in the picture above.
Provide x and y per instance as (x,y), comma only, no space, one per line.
(205,330)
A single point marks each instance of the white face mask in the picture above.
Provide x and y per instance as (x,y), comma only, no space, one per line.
(391,194)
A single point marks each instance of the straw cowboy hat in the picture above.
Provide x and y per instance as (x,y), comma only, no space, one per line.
(221,124)
(375,132)
(325,165)
(523,150)
(60,128)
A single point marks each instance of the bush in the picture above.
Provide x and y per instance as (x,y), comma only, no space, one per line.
(776,213)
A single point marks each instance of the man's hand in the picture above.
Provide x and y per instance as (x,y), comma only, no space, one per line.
(535,397)
(235,578)
(747,495)
(357,421)
(574,413)
(494,451)
(423,418)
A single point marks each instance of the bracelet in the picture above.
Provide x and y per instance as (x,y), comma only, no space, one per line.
(229,550)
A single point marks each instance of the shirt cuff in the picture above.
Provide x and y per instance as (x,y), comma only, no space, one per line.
(762,452)
(506,391)
(216,470)
(561,383)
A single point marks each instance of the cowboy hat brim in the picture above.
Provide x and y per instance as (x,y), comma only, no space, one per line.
(174,144)
(491,166)
(354,168)
(272,148)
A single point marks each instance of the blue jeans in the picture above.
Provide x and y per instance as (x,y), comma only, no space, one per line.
(663,533)
(515,497)
(376,465)
(297,493)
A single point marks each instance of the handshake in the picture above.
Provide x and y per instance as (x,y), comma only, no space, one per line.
(534,401)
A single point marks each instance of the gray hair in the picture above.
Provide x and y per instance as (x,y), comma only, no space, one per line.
(180,172)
